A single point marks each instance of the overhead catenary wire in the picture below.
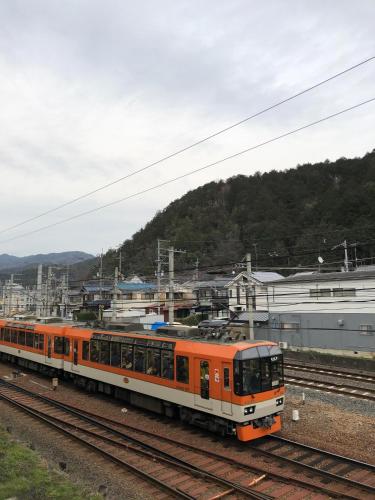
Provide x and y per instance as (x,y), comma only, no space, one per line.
(191,146)
(192,172)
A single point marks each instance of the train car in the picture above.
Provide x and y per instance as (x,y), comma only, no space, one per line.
(229,387)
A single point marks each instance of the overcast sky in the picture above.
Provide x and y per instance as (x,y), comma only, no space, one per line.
(92,90)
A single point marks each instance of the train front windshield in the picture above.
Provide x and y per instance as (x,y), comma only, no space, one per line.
(258,369)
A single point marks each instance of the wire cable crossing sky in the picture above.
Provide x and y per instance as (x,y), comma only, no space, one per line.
(197,143)
(200,169)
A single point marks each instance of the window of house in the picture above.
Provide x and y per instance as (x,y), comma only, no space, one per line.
(320,292)
(366,329)
(182,369)
(289,326)
(344,292)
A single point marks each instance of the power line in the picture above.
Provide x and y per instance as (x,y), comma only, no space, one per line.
(191,146)
(191,172)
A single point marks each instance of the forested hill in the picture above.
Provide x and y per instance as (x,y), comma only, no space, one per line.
(282,218)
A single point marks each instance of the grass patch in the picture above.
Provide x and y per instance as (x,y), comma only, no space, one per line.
(24,476)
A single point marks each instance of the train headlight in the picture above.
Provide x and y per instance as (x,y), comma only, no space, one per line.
(249,410)
(279,401)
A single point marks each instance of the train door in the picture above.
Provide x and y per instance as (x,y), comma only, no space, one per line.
(202,383)
(75,356)
(226,388)
(49,349)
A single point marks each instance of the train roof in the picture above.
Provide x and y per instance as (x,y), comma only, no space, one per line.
(196,344)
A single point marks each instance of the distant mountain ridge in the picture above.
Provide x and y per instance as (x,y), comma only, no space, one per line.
(61,258)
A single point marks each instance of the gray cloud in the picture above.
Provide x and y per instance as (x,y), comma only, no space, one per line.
(91,90)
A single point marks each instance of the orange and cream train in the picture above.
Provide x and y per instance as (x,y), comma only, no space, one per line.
(227,387)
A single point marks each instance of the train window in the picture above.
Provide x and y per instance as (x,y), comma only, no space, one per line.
(85,350)
(94,351)
(66,347)
(36,341)
(1,333)
(251,376)
(182,369)
(153,362)
(104,352)
(58,345)
(139,359)
(266,374)
(115,354)
(29,339)
(167,364)
(6,334)
(127,357)
(205,379)
(41,342)
(21,337)
(13,336)
(226,379)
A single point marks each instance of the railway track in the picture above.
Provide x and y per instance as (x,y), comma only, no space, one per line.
(352,472)
(331,387)
(331,371)
(227,476)
(173,475)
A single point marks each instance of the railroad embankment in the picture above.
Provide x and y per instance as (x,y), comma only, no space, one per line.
(25,475)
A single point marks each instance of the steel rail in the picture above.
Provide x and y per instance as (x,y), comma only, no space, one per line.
(111,457)
(153,454)
(347,390)
(274,475)
(335,372)
(329,454)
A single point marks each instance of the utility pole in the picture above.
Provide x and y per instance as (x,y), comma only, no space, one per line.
(101,276)
(49,294)
(120,261)
(10,295)
(171,283)
(39,291)
(255,245)
(249,298)
(171,252)
(161,259)
(196,273)
(346,260)
(158,276)
(114,297)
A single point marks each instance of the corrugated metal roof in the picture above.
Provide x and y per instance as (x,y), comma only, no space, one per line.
(127,286)
(97,288)
(336,276)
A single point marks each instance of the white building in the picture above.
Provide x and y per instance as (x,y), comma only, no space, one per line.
(339,292)
(245,292)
